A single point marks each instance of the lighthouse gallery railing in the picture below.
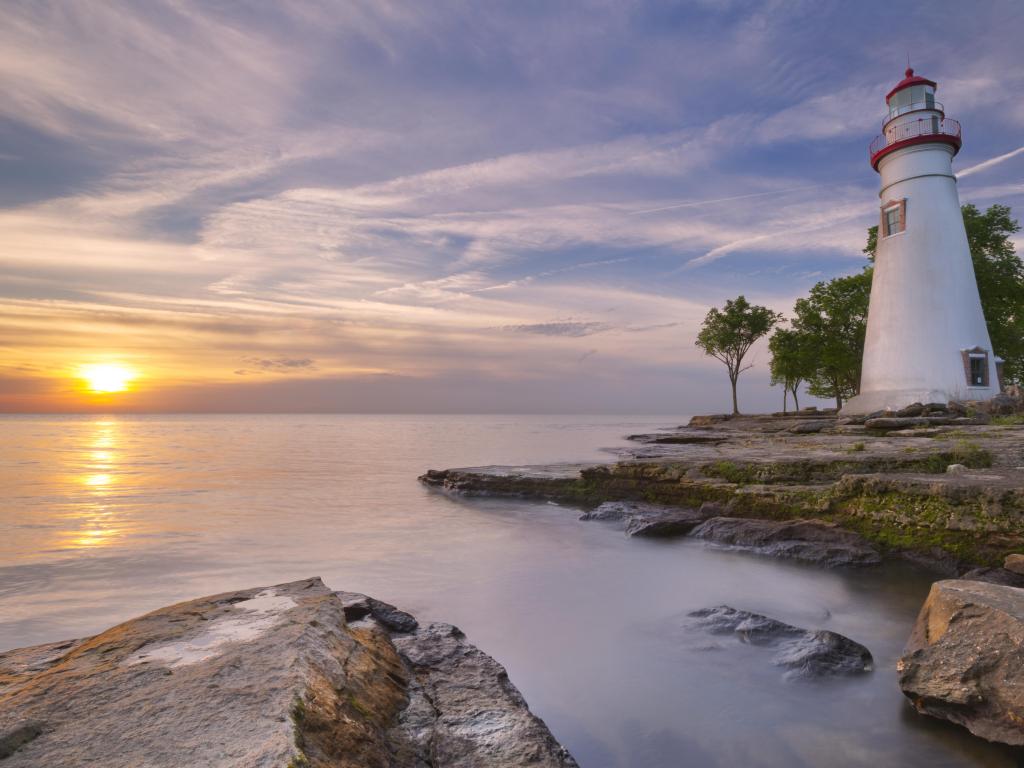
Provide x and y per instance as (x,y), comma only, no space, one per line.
(935,126)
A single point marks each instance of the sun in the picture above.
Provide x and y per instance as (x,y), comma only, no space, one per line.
(105,378)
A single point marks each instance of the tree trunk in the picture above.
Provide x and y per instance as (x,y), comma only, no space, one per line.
(796,403)
(785,392)
(735,402)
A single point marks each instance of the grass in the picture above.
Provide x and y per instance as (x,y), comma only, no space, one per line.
(1013,420)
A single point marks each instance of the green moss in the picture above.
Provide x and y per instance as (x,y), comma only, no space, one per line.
(359,707)
(1013,420)
(855,448)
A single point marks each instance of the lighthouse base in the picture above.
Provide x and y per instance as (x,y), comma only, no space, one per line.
(896,399)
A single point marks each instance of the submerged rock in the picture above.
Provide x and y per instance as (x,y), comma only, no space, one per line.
(276,677)
(814,541)
(964,661)
(610,510)
(803,652)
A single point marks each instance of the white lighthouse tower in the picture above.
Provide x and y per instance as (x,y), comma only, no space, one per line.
(926,338)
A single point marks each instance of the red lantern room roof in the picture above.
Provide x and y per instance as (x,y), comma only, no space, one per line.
(909,80)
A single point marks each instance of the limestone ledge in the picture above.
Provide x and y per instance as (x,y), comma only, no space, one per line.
(951,496)
(290,676)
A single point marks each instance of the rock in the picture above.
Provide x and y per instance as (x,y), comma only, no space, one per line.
(1014,562)
(358,606)
(664,521)
(964,661)
(957,407)
(995,576)
(273,677)
(906,422)
(823,652)
(610,510)
(709,420)
(1001,405)
(812,541)
(811,427)
(805,653)
(956,469)
(914,409)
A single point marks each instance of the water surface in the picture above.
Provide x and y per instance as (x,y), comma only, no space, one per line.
(104,519)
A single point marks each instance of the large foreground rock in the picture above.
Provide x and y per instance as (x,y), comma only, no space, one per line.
(271,677)
(803,652)
(814,541)
(964,661)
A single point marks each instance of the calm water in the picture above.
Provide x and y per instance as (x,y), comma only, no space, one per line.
(104,519)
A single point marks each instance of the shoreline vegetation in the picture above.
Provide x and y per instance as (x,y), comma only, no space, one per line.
(822,348)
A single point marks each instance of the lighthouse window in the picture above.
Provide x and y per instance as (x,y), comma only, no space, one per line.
(894,217)
(976,367)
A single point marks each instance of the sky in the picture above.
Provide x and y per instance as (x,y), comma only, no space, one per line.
(520,207)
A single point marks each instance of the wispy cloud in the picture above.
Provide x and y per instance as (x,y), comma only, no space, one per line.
(990,163)
(311,191)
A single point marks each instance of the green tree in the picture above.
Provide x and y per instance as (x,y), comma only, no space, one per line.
(728,334)
(833,322)
(792,362)
(1000,275)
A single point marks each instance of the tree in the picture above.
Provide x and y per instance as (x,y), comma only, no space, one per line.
(792,362)
(833,322)
(728,334)
(1000,275)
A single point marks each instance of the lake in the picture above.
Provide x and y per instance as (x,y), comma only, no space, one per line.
(103,519)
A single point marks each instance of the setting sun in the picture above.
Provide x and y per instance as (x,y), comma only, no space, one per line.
(107,377)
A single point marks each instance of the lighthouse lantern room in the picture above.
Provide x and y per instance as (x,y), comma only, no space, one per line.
(926,337)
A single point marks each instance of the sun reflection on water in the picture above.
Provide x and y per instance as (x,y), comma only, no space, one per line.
(93,521)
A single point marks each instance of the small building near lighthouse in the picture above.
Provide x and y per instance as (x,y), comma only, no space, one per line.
(926,338)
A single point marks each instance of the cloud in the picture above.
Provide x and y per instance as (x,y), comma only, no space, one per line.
(991,162)
(277,364)
(574,329)
(310,191)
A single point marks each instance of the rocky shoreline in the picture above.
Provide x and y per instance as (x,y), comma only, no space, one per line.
(949,495)
(940,485)
(293,675)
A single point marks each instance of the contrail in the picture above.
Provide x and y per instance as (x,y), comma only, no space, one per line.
(697,203)
(989,163)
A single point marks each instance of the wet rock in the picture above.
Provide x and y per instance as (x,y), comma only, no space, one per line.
(664,521)
(964,661)
(610,510)
(956,469)
(823,652)
(273,676)
(813,541)
(678,439)
(804,653)
(1014,562)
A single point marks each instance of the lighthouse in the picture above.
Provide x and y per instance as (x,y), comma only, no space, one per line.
(926,337)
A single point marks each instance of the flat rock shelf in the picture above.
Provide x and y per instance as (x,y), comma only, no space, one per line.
(293,676)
